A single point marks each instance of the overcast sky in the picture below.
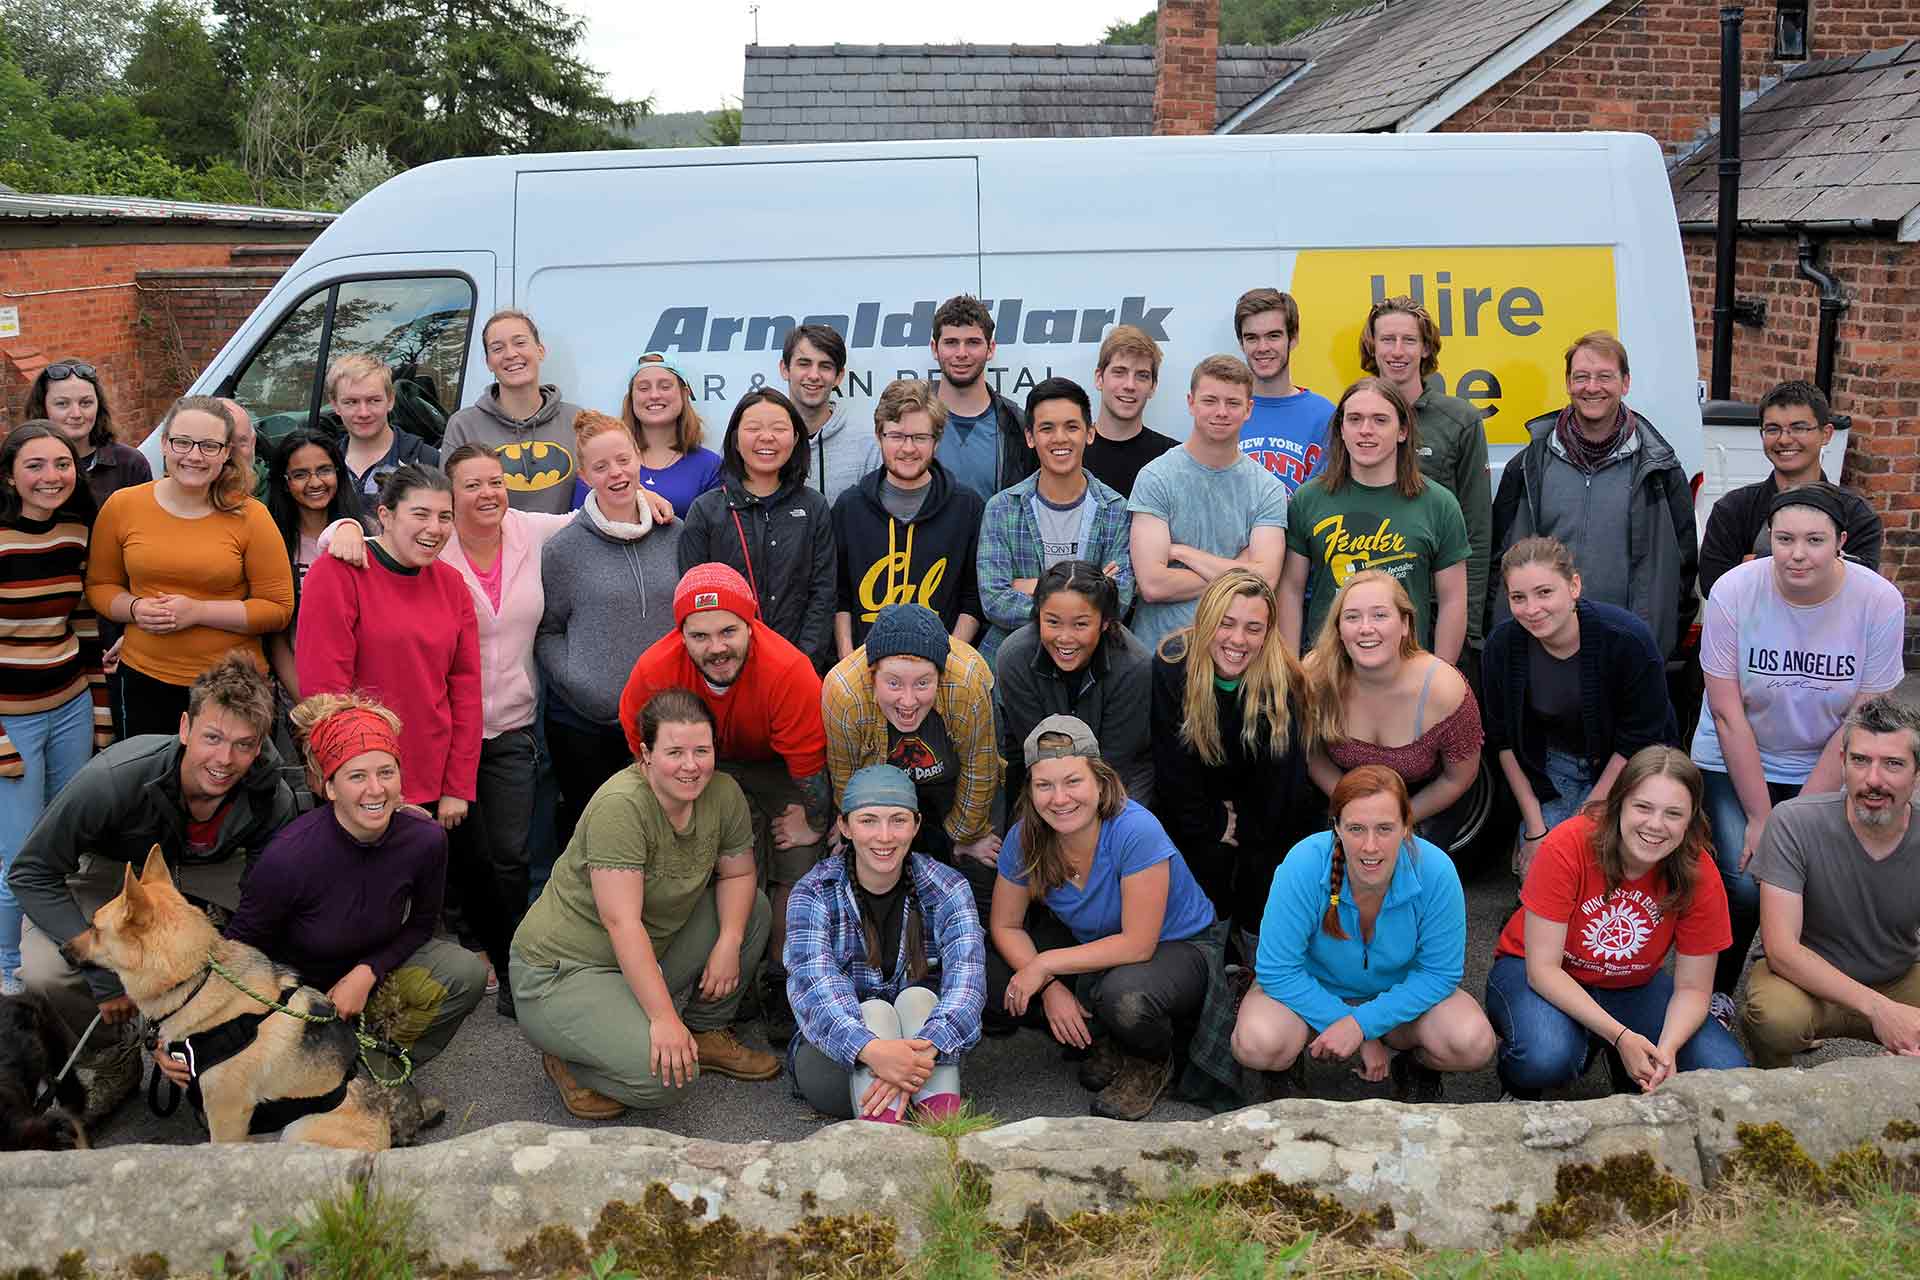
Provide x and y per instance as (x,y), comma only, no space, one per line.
(690,57)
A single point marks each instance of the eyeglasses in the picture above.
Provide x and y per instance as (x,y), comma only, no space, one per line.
(300,475)
(72,369)
(183,446)
(1801,429)
(918,440)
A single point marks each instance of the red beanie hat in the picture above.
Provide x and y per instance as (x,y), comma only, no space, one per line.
(713,586)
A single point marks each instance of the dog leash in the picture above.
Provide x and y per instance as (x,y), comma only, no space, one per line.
(46,1097)
(368,1043)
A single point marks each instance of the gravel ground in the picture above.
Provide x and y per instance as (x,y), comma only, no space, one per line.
(491,1074)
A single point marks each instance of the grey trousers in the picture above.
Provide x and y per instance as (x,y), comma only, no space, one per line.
(831,1089)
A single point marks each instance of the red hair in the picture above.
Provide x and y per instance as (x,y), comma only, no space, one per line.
(1358,784)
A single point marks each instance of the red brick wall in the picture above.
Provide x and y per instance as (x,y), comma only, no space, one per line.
(1876,375)
(114,320)
(1653,66)
(187,314)
(1184,90)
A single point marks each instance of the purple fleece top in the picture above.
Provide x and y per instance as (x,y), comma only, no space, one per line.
(321,901)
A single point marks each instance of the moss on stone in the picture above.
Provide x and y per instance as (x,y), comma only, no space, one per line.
(1505,1206)
(145,1266)
(1591,1197)
(1769,1154)
(552,1250)
(1178,1157)
(1264,1193)
(660,1236)
(1901,1131)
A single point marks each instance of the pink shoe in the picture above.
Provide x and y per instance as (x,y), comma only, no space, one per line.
(885,1117)
(938,1106)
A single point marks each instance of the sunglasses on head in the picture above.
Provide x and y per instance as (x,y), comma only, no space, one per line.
(72,369)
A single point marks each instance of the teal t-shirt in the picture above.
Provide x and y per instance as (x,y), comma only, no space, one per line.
(1373,527)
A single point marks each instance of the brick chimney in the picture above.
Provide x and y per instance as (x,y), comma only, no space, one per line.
(1184,92)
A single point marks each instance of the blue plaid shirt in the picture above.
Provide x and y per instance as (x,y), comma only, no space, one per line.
(826,955)
(1010,548)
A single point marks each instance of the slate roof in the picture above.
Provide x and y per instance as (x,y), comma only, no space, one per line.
(1371,68)
(835,93)
(1835,141)
(16,206)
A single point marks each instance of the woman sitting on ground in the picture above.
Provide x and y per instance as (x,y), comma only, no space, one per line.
(1578,969)
(886,964)
(1228,753)
(1101,934)
(349,893)
(628,970)
(1374,696)
(1076,658)
(1385,924)
(1573,688)
(764,521)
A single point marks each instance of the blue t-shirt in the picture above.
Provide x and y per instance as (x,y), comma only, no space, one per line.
(970,449)
(1288,435)
(1132,842)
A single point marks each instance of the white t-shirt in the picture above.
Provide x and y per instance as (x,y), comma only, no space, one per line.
(1799,666)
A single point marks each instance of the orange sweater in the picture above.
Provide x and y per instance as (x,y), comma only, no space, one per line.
(139,546)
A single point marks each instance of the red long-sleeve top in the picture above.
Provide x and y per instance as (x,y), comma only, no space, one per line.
(772,711)
(408,638)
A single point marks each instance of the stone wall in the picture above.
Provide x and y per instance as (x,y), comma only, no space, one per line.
(1465,1177)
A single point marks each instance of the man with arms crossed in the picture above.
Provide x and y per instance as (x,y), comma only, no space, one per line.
(1840,901)
(814,362)
(1125,376)
(1203,508)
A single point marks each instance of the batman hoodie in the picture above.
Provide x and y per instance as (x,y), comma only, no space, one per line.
(536,454)
(927,560)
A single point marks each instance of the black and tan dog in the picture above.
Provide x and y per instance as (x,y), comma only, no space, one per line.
(34,1045)
(158,944)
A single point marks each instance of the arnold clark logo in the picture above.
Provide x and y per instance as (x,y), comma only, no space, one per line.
(871,324)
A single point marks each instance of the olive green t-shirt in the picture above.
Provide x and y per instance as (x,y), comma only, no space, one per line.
(625,828)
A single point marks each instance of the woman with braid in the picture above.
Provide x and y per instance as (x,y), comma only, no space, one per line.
(1384,926)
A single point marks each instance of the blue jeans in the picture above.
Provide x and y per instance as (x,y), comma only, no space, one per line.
(1572,779)
(1542,1048)
(54,745)
(1728,822)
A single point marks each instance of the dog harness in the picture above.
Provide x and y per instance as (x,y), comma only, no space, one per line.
(205,1050)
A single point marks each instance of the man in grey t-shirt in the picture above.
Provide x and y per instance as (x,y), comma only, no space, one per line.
(1840,901)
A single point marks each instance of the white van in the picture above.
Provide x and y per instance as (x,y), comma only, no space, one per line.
(1517,243)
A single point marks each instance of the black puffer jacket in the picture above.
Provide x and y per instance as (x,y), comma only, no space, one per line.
(782,545)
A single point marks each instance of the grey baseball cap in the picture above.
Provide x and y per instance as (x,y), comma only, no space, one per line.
(1080,740)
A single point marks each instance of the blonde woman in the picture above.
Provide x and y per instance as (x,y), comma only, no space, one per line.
(658,409)
(1229,758)
(1374,696)
(191,565)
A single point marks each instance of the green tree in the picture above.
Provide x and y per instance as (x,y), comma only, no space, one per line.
(72,48)
(723,130)
(1244,21)
(175,78)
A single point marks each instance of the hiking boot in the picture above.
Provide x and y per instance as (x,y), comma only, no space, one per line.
(1135,1088)
(776,1015)
(1722,1010)
(1101,1065)
(1415,1081)
(581,1102)
(503,1002)
(725,1054)
(110,1070)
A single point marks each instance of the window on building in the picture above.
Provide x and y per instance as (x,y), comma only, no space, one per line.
(1791,21)
(418,324)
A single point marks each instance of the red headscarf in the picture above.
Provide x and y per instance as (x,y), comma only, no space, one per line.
(345,734)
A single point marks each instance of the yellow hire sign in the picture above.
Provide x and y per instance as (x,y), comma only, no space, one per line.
(1505,318)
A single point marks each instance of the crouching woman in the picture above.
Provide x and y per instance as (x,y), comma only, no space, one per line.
(349,893)
(1101,933)
(1577,971)
(652,904)
(886,964)
(1384,923)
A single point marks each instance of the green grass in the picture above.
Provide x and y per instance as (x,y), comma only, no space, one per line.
(958,1125)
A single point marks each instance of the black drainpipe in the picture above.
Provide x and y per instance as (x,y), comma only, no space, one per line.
(1721,383)
(1833,300)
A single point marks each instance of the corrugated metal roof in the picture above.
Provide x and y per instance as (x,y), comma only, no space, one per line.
(835,93)
(1835,141)
(1374,67)
(98,209)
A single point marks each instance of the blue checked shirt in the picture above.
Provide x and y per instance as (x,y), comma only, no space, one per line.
(826,955)
(1010,548)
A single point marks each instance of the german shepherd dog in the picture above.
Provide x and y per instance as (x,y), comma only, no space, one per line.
(34,1045)
(158,944)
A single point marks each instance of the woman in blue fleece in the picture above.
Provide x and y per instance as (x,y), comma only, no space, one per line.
(1361,951)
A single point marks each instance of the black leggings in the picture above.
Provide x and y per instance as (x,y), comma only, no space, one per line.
(583,759)
(1139,1005)
(489,853)
(148,705)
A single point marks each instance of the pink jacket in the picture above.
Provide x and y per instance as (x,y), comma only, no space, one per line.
(507,681)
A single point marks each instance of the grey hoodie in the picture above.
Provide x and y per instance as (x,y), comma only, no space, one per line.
(536,454)
(839,454)
(609,589)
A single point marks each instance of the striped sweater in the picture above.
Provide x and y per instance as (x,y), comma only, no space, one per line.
(49,638)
